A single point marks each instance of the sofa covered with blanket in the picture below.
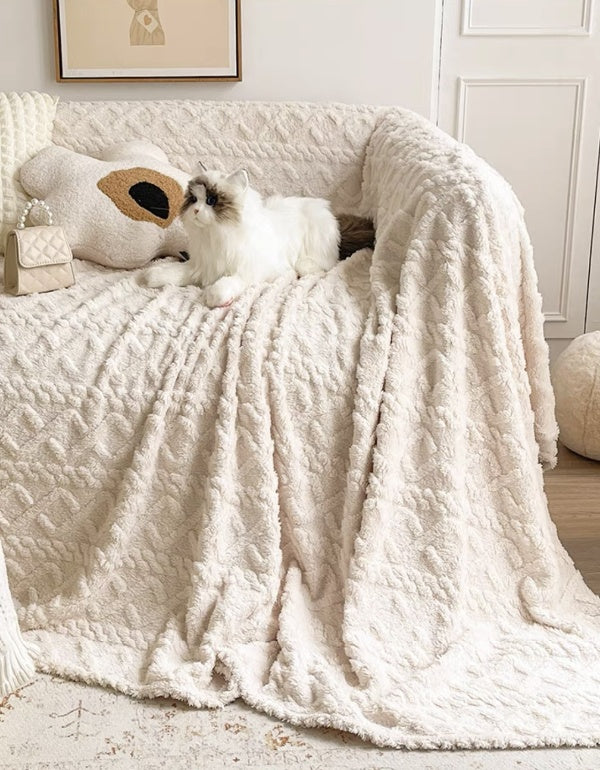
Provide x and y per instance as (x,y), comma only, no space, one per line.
(326,499)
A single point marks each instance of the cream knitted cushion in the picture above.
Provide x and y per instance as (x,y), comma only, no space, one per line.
(26,124)
(576,379)
(16,666)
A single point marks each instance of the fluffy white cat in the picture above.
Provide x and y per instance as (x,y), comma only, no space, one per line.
(237,238)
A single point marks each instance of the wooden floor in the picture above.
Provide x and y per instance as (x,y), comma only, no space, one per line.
(573,490)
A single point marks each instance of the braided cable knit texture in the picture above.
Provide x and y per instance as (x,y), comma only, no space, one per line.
(287,148)
(328,499)
(26,126)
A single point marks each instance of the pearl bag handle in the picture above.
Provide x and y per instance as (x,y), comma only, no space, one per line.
(27,210)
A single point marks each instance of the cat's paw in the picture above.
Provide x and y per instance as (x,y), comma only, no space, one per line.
(168,274)
(223,292)
(156,276)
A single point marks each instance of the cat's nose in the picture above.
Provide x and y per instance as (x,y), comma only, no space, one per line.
(196,211)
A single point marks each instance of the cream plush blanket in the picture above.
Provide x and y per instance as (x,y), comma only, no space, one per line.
(325,500)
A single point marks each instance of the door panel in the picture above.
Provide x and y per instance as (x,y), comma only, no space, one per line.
(526,17)
(593,305)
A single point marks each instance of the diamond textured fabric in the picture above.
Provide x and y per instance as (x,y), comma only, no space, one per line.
(328,499)
(41,246)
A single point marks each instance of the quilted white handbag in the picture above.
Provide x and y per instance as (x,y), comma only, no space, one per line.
(37,258)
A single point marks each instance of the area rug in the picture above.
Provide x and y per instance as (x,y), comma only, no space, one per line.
(54,724)
(326,500)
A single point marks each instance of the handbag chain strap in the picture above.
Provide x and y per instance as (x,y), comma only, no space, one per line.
(27,210)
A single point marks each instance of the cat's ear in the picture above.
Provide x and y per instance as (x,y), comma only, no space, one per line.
(239,178)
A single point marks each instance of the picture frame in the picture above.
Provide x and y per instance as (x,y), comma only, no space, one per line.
(147,40)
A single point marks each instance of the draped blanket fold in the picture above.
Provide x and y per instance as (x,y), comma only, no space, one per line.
(328,499)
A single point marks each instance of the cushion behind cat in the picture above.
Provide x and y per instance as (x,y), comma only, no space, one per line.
(119,210)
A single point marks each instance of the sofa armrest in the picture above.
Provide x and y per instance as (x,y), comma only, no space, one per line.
(458,231)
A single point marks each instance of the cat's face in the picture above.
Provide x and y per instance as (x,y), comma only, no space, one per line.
(214,198)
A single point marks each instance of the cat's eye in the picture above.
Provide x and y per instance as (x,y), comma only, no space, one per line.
(211,200)
(192,199)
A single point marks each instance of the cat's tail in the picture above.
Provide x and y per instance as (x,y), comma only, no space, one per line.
(355,233)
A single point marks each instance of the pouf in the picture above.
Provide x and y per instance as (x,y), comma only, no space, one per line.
(576,380)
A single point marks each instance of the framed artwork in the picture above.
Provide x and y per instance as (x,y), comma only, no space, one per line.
(132,40)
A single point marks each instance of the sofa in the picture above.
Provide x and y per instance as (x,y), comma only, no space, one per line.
(326,499)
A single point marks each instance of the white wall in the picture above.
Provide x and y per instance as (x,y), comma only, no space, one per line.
(357,51)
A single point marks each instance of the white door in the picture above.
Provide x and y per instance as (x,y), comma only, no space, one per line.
(593,305)
(520,83)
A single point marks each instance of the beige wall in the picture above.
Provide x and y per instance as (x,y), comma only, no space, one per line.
(361,51)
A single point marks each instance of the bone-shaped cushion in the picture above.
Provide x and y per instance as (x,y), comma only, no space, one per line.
(119,210)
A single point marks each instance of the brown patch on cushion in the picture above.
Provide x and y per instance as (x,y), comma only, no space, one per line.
(143,195)
(356,233)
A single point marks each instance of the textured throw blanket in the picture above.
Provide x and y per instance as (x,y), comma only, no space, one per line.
(327,499)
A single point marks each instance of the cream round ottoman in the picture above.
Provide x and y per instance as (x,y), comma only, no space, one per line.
(576,380)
